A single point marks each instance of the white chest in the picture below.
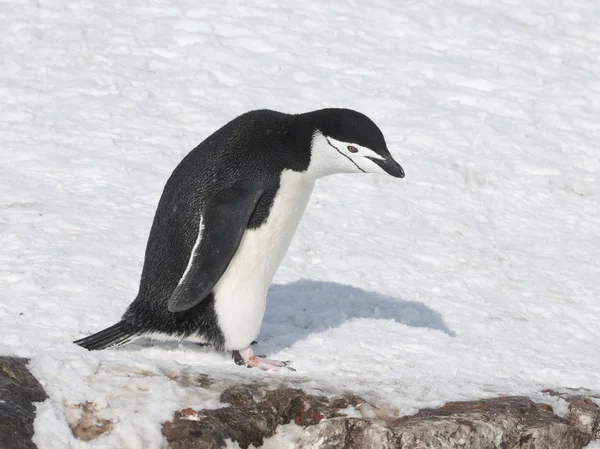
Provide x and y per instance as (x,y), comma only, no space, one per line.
(240,294)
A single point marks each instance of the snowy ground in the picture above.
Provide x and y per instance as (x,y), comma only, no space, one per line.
(474,276)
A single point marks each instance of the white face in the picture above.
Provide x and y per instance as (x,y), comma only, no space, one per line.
(330,156)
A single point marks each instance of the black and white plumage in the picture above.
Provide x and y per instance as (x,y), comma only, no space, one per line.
(226,218)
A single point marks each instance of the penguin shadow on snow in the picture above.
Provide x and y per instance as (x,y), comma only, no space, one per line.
(299,309)
(302,308)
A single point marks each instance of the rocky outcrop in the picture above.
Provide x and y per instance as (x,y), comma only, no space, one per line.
(253,413)
(250,419)
(506,422)
(350,433)
(512,422)
(501,423)
(584,415)
(18,391)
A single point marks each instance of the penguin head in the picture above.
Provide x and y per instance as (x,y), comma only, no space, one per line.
(346,141)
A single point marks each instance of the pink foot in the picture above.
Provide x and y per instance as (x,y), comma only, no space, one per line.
(247,357)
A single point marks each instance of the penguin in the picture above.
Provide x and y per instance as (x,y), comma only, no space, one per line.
(225,220)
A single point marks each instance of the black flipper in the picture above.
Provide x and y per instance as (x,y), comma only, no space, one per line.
(115,335)
(225,217)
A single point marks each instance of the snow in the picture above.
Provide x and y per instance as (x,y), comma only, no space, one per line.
(474,276)
(284,438)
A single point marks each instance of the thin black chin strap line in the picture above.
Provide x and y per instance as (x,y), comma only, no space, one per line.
(336,149)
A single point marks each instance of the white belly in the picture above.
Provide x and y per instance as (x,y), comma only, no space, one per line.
(240,294)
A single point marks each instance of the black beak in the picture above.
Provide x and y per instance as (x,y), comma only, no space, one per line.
(390,166)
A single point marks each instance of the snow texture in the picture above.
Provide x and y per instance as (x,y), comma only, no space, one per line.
(474,276)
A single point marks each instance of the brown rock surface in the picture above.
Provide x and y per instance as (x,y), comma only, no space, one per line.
(254,411)
(251,417)
(584,414)
(498,423)
(505,422)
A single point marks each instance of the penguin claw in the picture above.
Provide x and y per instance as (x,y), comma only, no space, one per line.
(268,365)
(247,358)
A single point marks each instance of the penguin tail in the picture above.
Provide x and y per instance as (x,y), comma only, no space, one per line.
(116,335)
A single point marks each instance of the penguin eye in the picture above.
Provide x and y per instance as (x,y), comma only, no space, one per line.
(352,149)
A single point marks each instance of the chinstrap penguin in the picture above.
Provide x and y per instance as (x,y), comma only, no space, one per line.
(226,218)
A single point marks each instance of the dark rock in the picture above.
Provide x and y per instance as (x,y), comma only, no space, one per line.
(255,411)
(584,415)
(253,416)
(550,392)
(238,395)
(305,410)
(500,423)
(207,429)
(506,422)
(349,433)
(18,390)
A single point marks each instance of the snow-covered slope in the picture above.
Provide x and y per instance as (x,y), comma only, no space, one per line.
(476,275)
